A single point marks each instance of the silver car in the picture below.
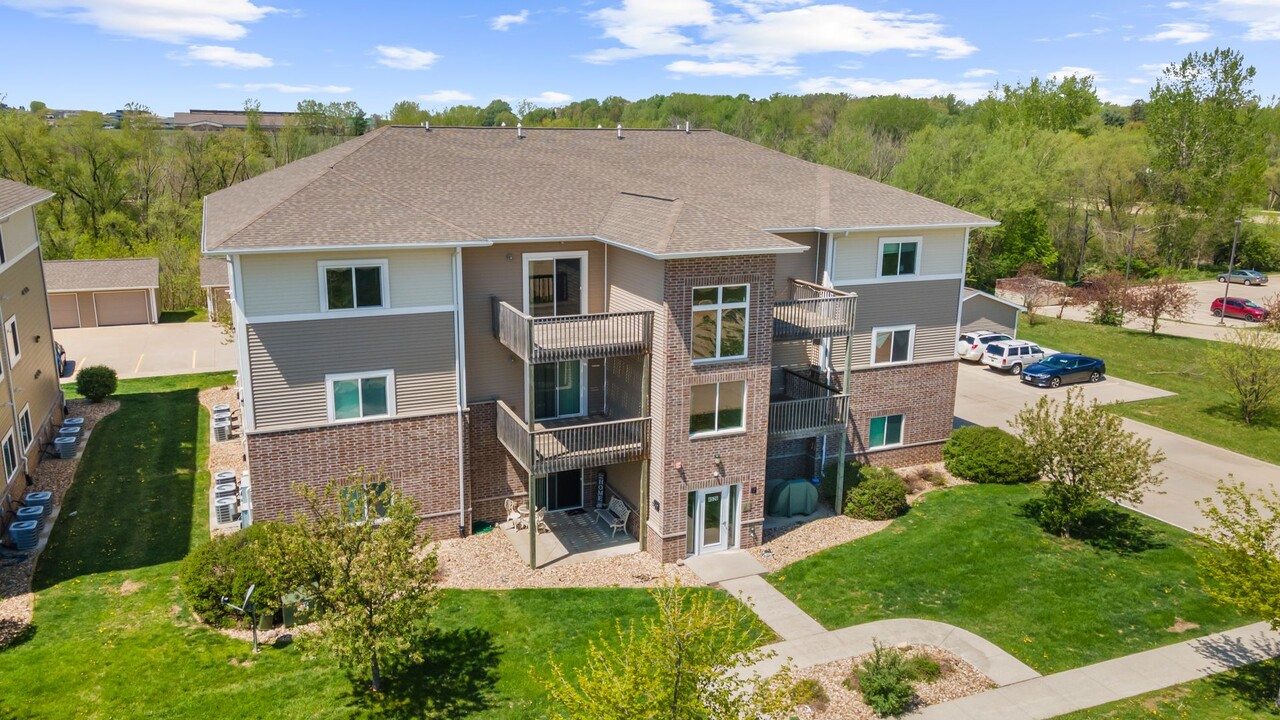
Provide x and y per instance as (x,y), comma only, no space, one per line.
(972,344)
(1012,355)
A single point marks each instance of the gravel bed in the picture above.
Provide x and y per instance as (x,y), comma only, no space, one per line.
(15,571)
(228,455)
(959,679)
(489,562)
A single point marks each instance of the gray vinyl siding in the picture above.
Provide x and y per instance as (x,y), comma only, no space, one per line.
(930,305)
(288,362)
(289,283)
(798,266)
(857,255)
(982,313)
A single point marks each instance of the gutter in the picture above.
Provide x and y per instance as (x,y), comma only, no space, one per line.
(460,372)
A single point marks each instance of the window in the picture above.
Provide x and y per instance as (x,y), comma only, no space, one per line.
(886,431)
(559,390)
(717,407)
(898,257)
(10,456)
(24,428)
(366,502)
(15,343)
(720,322)
(359,285)
(361,395)
(892,344)
(3,257)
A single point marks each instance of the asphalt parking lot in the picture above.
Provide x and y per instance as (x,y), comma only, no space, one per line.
(150,350)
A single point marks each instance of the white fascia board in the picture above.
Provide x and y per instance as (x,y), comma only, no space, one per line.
(20,208)
(977,292)
(221,251)
(877,228)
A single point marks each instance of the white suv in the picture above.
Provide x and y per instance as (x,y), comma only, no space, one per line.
(1012,355)
(971,345)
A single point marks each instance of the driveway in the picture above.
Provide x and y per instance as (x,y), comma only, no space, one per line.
(1192,468)
(1200,323)
(135,351)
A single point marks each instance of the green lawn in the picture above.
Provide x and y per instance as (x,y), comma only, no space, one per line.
(189,315)
(1202,408)
(111,638)
(967,556)
(1246,693)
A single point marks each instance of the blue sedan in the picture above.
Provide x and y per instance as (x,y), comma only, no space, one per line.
(1064,368)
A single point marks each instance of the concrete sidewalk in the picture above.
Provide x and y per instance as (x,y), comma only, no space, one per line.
(1125,677)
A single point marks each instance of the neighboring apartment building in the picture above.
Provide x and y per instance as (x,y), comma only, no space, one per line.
(664,312)
(30,396)
(218,120)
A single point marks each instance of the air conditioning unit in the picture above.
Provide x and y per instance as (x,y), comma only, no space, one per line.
(71,431)
(66,446)
(224,476)
(24,534)
(224,509)
(221,408)
(42,498)
(221,430)
(33,513)
(222,490)
(73,421)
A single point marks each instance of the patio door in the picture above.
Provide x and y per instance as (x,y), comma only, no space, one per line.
(555,284)
(713,516)
(560,491)
(558,390)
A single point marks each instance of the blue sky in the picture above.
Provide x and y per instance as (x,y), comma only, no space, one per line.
(178,54)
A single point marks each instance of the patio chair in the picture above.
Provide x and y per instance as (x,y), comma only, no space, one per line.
(541,519)
(509,505)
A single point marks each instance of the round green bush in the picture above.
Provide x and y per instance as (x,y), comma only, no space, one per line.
(225,567)
(827,485)
(880,495)
(987,455)
(96,382)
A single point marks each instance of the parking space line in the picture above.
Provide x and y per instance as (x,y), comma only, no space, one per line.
(193,359)
(139,365)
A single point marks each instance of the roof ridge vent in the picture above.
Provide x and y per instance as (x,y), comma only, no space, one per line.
(520,130)
(619,131)
(426,125)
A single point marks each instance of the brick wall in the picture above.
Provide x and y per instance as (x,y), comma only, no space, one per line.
(493,475)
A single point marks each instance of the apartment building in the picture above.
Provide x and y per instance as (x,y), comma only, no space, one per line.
(658,316)
(30,396)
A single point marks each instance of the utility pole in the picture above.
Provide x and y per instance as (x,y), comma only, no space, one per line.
(1128,264)
(1222,318)
(1084,244)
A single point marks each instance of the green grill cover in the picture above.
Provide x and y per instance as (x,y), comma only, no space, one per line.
(792,497)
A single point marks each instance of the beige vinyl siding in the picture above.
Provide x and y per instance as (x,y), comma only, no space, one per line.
(19,233)
(930,305)
(288,362)
(624,478)
(43,394)
(857,255)
(623,378)
(493,372)
(798,266)
(794,353)
(289,283)
(982,313)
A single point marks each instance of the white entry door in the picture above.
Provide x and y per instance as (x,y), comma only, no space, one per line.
(714,518)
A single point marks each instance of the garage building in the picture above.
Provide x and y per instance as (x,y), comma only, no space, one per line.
(98,293)
(984,311)
(215,280)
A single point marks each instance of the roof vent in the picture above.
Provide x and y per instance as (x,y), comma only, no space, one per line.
(598,127)
(520,131)
(619,131)
(426,125)
(686,127)
(504,123)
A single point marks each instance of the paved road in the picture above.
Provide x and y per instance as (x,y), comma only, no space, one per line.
(1192,468)
(150,350)
(1201,324)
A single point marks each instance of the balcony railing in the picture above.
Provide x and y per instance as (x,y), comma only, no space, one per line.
(571,444)
(806,408)
(813,312)
(571,337)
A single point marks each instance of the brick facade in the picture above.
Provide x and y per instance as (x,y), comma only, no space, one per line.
(492,474)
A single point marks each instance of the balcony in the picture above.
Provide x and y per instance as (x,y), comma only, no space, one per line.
(804,407)
(813,312)
(539,340)
(571,443)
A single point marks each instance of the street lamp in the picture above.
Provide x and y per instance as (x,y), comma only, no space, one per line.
(1231,263)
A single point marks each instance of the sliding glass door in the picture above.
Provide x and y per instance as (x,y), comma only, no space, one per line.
(558,390)
(560,491)
(555,285)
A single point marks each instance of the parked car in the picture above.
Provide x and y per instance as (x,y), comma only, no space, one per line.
(1244,277)
(1234,307)
(972,344)
(1064,368)
(1012,355)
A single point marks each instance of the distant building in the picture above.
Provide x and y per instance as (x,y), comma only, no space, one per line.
(217,120)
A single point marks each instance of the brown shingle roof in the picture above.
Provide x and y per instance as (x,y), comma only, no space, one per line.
(215,272)
(15,196)
(707,191)
(119,274)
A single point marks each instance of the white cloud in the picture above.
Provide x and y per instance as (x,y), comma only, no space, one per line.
(504,22)
(911,87)
(1068,70)
(174,21)
(1179,5)
(446,96)
(222,56)
(1156,69)
(550,98)
(1260,17)
(1181,33)
(1137,81)
(1090,33)
(731,68)
(766,31)
(405,58)
(979,72)
(288,89)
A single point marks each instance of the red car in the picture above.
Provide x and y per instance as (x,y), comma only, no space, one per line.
(1238,308)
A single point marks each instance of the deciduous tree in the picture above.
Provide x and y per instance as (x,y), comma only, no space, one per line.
(1163,297)
(1249,360)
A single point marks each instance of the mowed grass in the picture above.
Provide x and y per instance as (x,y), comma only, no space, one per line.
(1247,693)
(1202,408)
(967,556)
(112,637)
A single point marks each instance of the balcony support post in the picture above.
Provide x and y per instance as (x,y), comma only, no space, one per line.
(844,412)
(642,529)
(528,450)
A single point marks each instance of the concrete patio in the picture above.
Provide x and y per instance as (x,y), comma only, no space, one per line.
(573,537)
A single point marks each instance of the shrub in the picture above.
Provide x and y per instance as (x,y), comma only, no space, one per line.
(827,486)
(923,667)
(988,455)
(225,567)
(96,382)
(884,679)
(810,692)
(881,495)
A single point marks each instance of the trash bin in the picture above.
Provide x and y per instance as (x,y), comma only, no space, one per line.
(298,608)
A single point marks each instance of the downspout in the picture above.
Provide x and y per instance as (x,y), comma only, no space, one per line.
(460,373)
(964,273)
(844,413)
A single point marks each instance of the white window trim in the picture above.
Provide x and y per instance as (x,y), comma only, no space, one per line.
(719,430)
(902,432)
(364,495)
(8,440)
(719,307)
(917,239)
(384,275)
(911,343)
(584,255)
(26,413)
(11,332)
(390,376)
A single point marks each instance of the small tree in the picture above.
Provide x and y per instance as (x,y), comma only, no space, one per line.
(1105,293)
(96,382)
(1163,297)
(1084,455)
(1272,305)
(676,665)
(1035,290)
(358,541)
(1249,360)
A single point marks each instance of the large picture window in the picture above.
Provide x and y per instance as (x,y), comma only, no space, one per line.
(717,407)
(361,395)
(720,322)
(359,285)
(886,431)
(892,344)
(899,257)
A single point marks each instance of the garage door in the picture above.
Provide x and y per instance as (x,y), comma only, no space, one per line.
(65,310)
(122,308)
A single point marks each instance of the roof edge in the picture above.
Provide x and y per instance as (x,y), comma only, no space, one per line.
(49,194)
(997,298)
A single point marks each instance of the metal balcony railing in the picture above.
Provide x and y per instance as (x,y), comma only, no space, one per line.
(806,407)
(571,337)
(813,312)
(571,444)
